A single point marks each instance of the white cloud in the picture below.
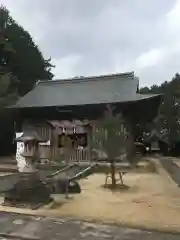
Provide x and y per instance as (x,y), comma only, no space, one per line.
(163,61)
(96,37)
(66,66)
(173,18)
(150,58)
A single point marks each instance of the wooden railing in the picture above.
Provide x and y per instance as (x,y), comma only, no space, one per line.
(80,155)
(57,154)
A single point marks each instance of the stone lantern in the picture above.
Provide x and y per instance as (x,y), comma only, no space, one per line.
(29,189)
(31,153)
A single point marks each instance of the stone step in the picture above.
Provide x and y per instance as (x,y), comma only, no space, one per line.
(8,168)
(8,160)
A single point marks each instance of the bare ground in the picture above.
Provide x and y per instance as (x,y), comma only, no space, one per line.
(151,201)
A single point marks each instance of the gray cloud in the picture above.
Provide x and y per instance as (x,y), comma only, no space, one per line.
(100,36)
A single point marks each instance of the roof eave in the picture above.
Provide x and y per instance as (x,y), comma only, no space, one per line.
(146,97)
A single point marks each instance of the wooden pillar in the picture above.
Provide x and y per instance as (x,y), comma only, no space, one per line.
(89,141)
(130,142)
(53,142)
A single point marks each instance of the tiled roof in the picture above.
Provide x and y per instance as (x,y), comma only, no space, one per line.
(113,88)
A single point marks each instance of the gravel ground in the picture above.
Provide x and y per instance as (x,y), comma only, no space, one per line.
(47,228)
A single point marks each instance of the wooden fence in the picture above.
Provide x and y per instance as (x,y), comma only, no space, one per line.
(58,154)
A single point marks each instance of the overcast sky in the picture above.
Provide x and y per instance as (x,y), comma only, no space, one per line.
(92,37)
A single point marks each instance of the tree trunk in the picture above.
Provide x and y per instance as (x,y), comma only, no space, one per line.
(113,173)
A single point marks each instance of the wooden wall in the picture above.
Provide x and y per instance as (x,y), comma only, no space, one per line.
(52,152)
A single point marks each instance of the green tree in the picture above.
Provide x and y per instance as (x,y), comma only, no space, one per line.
(21,66)
(8,82)
(169,111)
(109,137)
(27,63)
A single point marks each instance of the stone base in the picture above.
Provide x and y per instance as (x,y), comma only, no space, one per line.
(32,206)
(29,192)
(61,186)
(73,187)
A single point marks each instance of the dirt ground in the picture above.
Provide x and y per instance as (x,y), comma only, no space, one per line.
(151,201)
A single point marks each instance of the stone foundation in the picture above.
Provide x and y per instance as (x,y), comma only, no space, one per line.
(29,191)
